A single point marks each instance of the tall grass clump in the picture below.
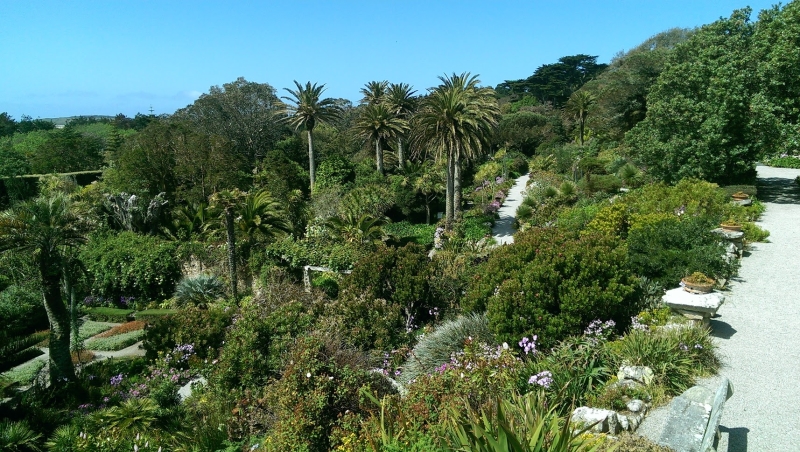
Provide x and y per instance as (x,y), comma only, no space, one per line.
(436,348)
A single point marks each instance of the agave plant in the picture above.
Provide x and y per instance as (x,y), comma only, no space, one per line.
(199,290)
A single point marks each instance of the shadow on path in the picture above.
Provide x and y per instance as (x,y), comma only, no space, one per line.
(737,438)
(778,190)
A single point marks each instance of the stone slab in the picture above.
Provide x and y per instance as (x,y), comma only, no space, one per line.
(729,235)
(681,300)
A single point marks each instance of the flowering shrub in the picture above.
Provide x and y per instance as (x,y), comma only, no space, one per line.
(553,283)
(204,328)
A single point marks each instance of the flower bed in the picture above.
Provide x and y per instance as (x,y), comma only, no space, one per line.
(114,343)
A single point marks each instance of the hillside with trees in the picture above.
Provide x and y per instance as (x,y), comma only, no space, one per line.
(325,270)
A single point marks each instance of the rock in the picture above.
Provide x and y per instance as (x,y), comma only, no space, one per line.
(186,390)
(636,405)
(605,421)
(626,384)
(729,235)
(641,374)
(623,422)
(743,202)
(694,418)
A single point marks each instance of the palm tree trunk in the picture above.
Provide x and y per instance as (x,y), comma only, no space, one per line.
(312,170)
(379,156)
(231,252)
(449,193)
(61,369)
(400,157)
(457,186)
(582,122)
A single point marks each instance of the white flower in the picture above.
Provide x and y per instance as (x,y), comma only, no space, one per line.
(505,346)
(308,375)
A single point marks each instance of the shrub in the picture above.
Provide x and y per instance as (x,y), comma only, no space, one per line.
(124,328)
(149,314)
(553,283)
(669,249)
(754,233)
(199,289)
(421,234)
(447,339)
(788,161)
(21,311)
(318,391)
(130,264)
(327,283)
(115,315)
(397,275)
(204,328)
(263,331)
(677,355)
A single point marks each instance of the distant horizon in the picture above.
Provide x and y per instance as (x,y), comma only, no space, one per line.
(106,58)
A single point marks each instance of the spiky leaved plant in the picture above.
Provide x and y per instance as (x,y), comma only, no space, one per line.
(199,290)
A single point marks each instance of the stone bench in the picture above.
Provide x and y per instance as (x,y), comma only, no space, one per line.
(694,417)
(696,307)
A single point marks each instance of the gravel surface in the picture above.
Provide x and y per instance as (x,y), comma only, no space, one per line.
(757,332)
(503,230)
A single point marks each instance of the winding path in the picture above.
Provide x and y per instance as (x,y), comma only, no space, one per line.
(503,230)
(758,331)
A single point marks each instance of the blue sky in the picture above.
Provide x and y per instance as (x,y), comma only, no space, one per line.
(64,58)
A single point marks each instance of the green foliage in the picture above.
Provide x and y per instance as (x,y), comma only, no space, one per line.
(474,228)
(129,264)
(204,328)
(784,162)
(25,373)
(18,437)
(676,355)
(263,332)
(553,283)
(17,350)
(669,249)
(421,234)
(103,314)
(199,290)
(313,251)
(334,171)
(318,392)
(705,117)
(447,339)
(524,423)
(754,232)
(21,311)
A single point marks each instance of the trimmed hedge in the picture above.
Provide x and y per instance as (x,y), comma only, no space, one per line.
(115,315)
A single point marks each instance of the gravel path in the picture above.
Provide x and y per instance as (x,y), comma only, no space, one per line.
(757,332)
(503,230)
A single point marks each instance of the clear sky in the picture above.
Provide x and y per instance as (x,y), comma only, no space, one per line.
(74,57)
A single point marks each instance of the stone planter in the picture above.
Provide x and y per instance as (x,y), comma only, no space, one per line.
(731,227)
(740,197)
(697,287)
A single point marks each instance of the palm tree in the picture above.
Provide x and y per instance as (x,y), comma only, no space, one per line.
(578,106)
(374,92)
(48,229)
(260,216)
(456,121)
(307,111)
(227,201)
(362,230)
(400,101)
(378,124)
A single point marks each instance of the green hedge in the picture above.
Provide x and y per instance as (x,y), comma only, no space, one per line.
(110,314)
(129,264)
(784,162)
(150,314)
(421,234)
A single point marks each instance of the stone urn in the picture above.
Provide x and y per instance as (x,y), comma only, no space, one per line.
(730,226)
(740,196)
(698,283)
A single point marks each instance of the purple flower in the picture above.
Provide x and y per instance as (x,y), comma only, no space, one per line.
(528,345)
(543,378)
(117,380)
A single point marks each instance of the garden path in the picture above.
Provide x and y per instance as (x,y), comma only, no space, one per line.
(503,230)
(756,331)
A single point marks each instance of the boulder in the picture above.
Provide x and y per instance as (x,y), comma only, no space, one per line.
(641,374)
(604,421)
(186,390)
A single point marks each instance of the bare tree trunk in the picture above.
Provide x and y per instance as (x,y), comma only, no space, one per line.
(231,253)
(379,156)
(457,186)
(61,369)
(449,193)
(401,163)
(312,169)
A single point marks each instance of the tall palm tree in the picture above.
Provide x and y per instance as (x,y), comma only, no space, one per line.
(455,122)
(48,228)
(378,124)
(307,110)
(578,106)
(374,92)
(227,201)
(260,216)
(401,102)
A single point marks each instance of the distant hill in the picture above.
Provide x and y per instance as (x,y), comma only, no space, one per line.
(64,120)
